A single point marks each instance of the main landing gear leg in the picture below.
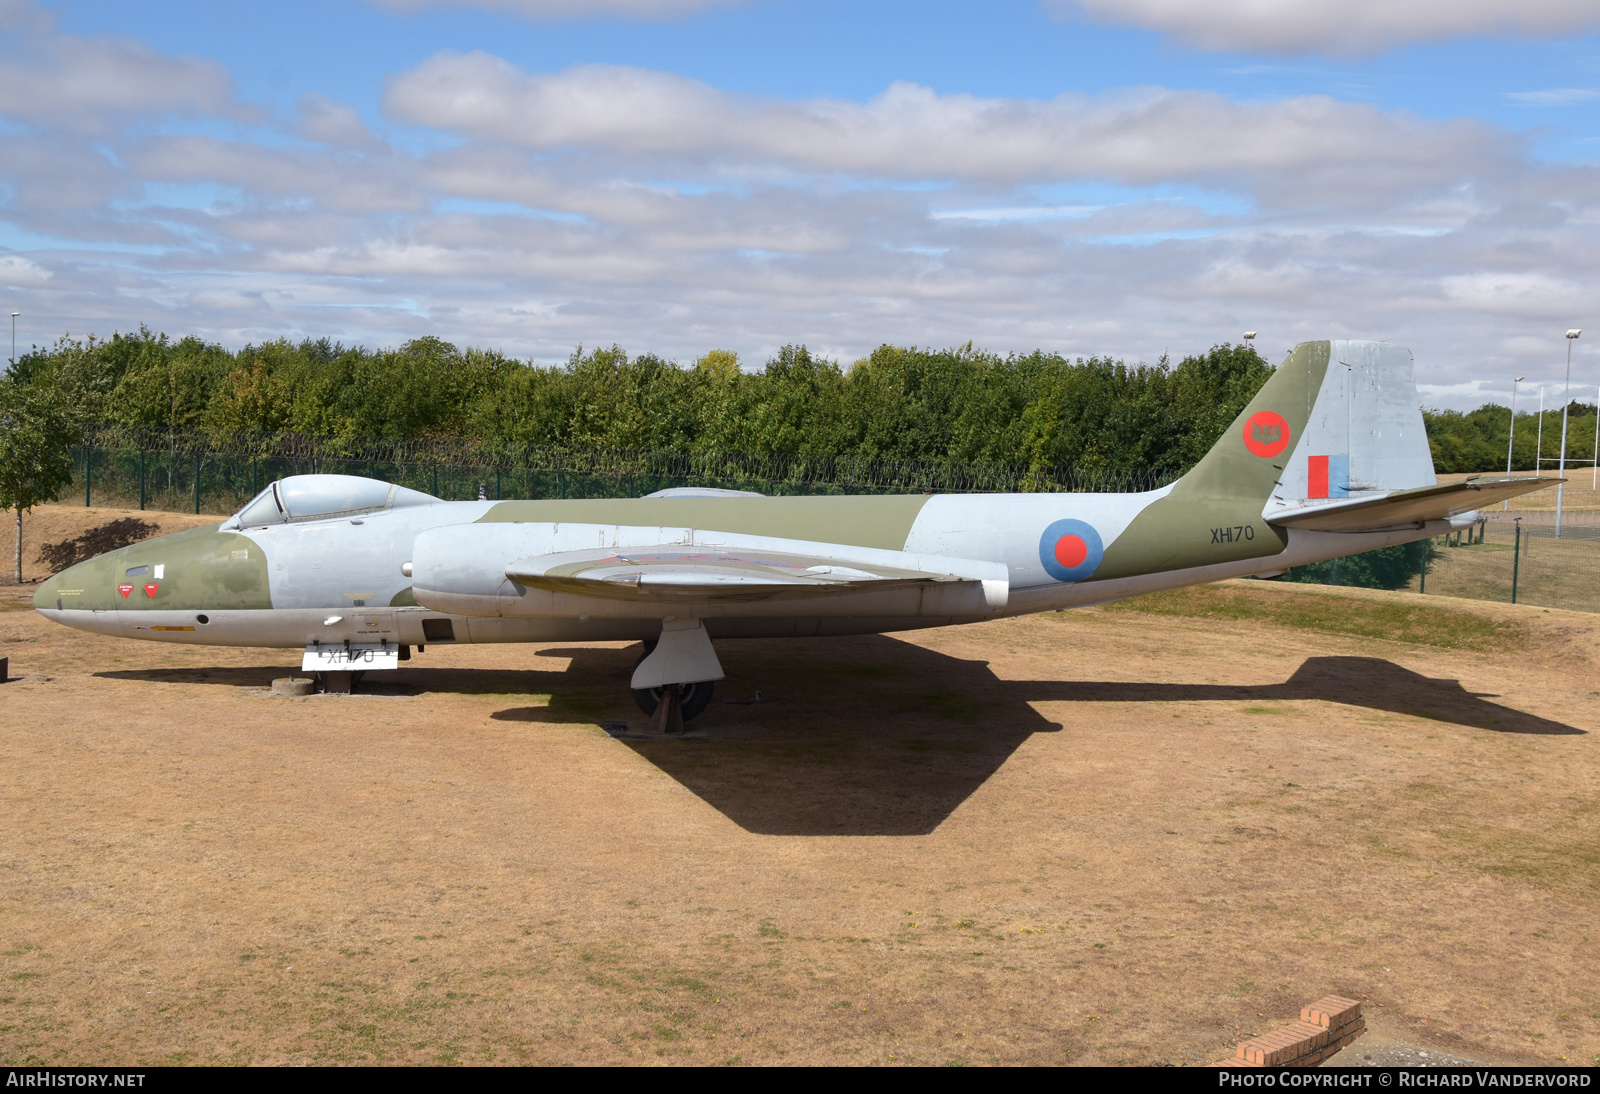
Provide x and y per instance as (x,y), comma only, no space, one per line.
(668,716)
(673,680)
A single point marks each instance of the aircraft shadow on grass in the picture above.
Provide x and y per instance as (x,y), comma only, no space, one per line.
(875,736)
(871,735)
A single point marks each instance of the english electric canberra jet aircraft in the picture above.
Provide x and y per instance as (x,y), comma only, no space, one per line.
(1329,459)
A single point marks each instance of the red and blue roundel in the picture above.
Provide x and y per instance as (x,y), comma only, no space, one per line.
(1070,550)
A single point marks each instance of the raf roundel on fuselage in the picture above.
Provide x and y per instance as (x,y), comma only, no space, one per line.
(1070,550)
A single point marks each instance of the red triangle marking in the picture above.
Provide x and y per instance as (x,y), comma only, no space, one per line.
(150,591)
(124,590)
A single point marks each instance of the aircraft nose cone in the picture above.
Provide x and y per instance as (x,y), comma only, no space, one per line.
(73,587)
(47,592)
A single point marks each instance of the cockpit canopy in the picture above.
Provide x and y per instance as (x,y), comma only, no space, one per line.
(320,497)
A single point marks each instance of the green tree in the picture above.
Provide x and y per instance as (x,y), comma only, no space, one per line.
(1475,441)
(35,464)
(164,383)
(1384,568)
(1208,392)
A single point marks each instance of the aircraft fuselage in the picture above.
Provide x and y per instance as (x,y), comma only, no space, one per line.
(293,584)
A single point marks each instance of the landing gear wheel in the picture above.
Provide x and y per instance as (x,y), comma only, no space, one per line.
(693,698)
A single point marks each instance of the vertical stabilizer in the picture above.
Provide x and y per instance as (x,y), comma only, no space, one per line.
(1336,420)
(1364,436)
(1213,514)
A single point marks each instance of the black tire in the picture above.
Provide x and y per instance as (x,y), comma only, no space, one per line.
(692,698)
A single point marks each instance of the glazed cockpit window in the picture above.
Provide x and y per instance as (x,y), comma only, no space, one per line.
(323,497)
(308,497)
(263,508)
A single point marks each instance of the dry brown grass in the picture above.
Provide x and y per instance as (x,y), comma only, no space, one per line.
(1117,836)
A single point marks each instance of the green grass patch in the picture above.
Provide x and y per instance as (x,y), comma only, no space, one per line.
(1417,624)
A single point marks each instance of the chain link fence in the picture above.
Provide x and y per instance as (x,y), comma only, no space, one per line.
(1519,559)
(1510,556)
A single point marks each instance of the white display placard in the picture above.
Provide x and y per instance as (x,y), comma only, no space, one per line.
(354,658)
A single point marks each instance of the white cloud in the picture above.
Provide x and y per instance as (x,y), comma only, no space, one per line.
(89,84)
(1136,137)
(565,9)
(1554,96)
(328,122)
(24,16)
(1336,26)
(16,270)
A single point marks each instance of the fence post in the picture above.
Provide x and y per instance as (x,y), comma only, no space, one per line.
(497,484)
(435,480)
(1423,587)
(197,482)
(141,478)
(1516,558)
(88,477)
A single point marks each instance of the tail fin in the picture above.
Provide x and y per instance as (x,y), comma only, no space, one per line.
(1337,419)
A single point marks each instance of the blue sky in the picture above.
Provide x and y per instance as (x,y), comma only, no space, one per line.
(1105,176)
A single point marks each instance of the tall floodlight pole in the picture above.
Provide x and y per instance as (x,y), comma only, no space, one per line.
(1512,439)
(1538,455)
(1594,464)
(14,338)
(1566,399)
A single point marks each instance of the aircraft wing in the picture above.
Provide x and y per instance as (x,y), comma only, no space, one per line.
(718,566)
(1399,508)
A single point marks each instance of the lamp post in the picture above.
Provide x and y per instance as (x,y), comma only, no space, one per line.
(1512,439)
(1594,464)
(1566,399)
(14,338)
(1538,457)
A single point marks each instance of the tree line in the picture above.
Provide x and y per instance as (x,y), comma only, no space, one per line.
(1035,410)
(959,404)
(1477,440)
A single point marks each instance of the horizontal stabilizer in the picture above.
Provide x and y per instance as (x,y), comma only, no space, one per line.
(746,568)
(1399,508)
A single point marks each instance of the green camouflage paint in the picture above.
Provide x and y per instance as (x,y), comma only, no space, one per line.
(1213,514)
(202,569)
(882,521)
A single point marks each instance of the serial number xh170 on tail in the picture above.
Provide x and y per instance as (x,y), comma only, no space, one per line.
(1329,459)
